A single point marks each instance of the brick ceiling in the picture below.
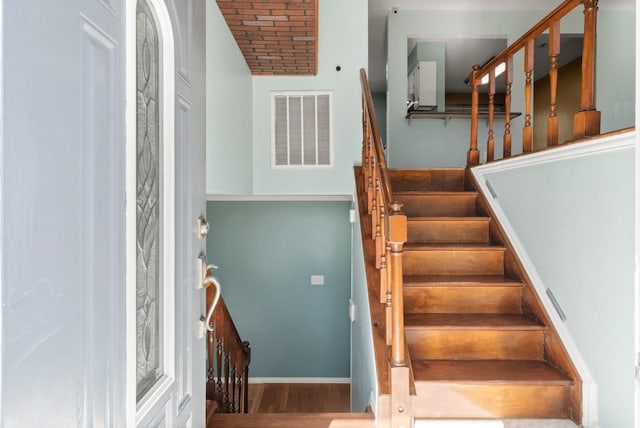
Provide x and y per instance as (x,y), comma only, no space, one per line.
(276,37)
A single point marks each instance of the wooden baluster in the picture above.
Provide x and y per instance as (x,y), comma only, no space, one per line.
(527,131)
(225,388)
(388,307)
(365,143)
(383,275)
(492,100)
(508,80)
(397,238)
(232,394)
(473,156)
(210,362)
(381,242)
(245,377)
(219,352)
(371,189)
(554,51)
(587,121)
(375,220)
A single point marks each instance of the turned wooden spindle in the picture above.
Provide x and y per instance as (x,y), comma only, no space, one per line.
(527,130)
(473,155)
(554,51)
(508,81)
(492,97)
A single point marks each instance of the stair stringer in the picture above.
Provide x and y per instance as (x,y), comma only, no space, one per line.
(559,348)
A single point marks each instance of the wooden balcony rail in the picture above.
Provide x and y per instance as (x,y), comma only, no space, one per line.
(389,234)
(228,359)
(586,121)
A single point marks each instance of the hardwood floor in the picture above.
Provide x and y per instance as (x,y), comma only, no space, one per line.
(298,398)
(296,406)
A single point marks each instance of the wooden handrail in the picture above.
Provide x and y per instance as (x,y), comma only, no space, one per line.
(228,359)
(389,234)
(586,121)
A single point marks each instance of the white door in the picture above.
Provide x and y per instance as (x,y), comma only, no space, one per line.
(65,293)
(62,265)
(165,182)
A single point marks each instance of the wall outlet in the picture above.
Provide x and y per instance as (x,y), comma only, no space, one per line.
(352,310)
(317,279)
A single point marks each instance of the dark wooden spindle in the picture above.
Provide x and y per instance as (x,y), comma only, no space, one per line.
(527,131)
(492,97)
(554,51)
(508,80)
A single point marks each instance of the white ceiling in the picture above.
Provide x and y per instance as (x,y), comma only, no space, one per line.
(379,9)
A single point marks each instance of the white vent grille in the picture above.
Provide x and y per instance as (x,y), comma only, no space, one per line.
(301,130)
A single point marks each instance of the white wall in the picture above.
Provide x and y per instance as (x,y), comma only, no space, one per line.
(431,143)
(342,41)
(573,216)
(229,113)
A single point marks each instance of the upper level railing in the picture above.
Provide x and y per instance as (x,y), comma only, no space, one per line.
(389,233)
(586,121)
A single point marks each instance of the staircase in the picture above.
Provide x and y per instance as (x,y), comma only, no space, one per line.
(478,339)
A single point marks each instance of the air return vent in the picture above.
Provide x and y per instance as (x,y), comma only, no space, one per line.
(301,131)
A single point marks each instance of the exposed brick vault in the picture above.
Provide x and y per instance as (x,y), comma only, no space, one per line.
(276,37)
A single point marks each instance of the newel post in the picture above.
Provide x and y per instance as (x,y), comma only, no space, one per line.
(586,122)
(397,238)
(473,155)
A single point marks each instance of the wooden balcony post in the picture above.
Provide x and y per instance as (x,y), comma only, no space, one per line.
(508,80)
(554,51)
(397,238)
(473,156)
(527,131)
(587,121)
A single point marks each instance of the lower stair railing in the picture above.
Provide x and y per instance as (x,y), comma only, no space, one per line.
(388,233)
(228,358)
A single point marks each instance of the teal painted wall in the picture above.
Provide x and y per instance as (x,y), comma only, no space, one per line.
(575,219)
(431,143)
(229,119)
(342,41)
(364,381)
(267,252)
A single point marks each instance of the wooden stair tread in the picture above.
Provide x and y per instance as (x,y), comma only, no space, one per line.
(401,193)
(423,246)
(488,371)
(303,420)
(434,178)
(440,321)
(460,280)
(448,218)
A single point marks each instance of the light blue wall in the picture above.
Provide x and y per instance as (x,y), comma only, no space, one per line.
(267,252)
(575,219)
(432,143)
(380,106)
(229,118)
(364,381)
(342,41)
(615,69)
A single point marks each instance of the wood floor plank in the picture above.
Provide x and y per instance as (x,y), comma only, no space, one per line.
(299,398)
(293,420)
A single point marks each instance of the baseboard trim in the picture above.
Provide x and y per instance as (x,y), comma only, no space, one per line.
(299,380)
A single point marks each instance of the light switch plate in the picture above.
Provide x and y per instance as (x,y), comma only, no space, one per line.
(317,279)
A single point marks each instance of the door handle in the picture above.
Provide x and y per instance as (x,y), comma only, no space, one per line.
(212,280)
